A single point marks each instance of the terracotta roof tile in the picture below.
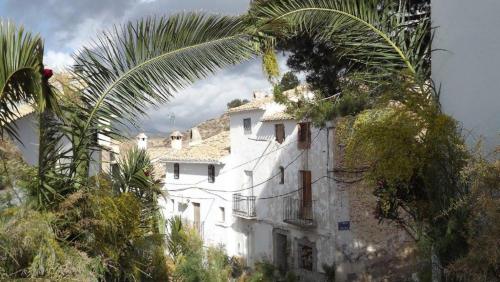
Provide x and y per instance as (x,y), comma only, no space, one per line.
(211,150)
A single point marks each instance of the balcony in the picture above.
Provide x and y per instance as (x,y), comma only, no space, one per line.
(298,212)
(244,206)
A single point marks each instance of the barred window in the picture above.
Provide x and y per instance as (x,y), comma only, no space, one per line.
(247,125)
(282,175)
(211,173)
(176,171)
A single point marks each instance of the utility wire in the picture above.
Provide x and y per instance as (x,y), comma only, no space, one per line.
(253,186)
(242,164)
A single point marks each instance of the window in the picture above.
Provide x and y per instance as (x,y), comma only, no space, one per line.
(247,125)
(304,135)
(279,132)
(306,257)
(282,175)
(176,171)
(222,214)
(211,173)
(173,205)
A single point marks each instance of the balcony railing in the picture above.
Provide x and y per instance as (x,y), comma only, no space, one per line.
(244,206)
(299,212)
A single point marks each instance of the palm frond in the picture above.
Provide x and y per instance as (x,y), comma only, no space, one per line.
(20,72)
(142,64)
(375,34)
(139,65)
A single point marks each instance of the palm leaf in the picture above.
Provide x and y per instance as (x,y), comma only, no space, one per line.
(131,68)
(374,34)
(20,72)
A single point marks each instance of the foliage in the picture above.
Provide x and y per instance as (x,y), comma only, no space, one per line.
(236,103)
(20,72)
(30,249)
(482,259)
(329,271)
(15,175)
(190,261)
(289,81)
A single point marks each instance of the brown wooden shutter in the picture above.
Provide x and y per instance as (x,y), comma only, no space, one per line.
(306,184)
(308,135)
(304,135)
(306,199)
(279,133)
(300,143)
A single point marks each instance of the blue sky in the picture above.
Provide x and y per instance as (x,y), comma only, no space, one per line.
(67,25)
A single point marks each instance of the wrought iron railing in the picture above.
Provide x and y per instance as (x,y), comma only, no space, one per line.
(299,212)
(244,206)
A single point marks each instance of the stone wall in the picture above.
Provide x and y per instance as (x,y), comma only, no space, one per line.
(370,250)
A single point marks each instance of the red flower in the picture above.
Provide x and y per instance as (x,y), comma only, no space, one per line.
(47,73)
(147,173)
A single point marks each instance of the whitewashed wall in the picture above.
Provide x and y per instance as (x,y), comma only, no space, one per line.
(27,129)
(260,153)
(468,71)
(270,155)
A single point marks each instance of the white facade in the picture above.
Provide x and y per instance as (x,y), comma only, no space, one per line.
(467,68)
(253,169)
(28,143)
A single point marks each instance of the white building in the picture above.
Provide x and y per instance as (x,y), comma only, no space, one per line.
(27,141)
(261,189)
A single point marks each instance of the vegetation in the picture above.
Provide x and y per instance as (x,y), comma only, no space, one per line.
(236,103)
(57,222)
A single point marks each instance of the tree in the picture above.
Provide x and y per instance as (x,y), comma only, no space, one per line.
(289,81)
(236,103)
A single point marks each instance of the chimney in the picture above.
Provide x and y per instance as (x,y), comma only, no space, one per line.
(176,140)
(259,95)
(195,136)
(142,141)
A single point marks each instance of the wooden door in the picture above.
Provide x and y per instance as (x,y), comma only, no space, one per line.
(280,252)
(306,196)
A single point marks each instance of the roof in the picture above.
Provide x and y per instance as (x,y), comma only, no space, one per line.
(210,150)
(277,117)
(255,104)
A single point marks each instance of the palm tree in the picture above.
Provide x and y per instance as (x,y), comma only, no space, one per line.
(23,79)
(376,35)
(142,64)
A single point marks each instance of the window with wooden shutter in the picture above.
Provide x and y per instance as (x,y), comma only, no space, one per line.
(304,135)
(176,171)
(211,173)
(279,130)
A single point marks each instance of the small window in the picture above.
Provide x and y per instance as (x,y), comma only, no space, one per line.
(279,132)
(282,175)
(173,205)
(304,135)
(247,125)
(211,173)
(306,257)
(222,217)
(176,171)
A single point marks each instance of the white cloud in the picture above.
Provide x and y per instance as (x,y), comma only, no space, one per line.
(57,60)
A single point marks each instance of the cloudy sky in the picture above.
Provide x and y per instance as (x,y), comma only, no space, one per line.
(67,25)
